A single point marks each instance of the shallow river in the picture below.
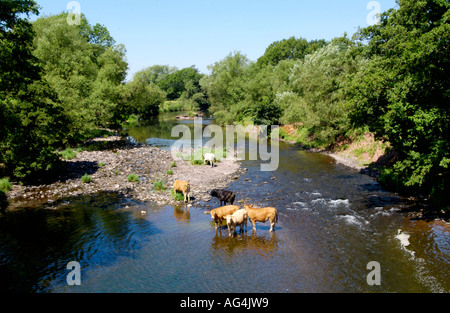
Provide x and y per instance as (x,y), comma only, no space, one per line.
(333,221)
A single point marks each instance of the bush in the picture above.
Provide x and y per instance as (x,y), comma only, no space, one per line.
(133,178)
(174,164)
(5,185)
(169,172)
(86,179)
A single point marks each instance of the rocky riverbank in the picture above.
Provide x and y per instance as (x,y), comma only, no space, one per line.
(110,168)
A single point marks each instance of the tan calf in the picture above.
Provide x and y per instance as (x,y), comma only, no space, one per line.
(184,187)
(238,218)
(262,216)
(219,214)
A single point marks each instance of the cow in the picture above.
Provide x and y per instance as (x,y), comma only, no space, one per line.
(224,196)
(184,187)
(262,216)
(238,218)
(209,158)
(219,214)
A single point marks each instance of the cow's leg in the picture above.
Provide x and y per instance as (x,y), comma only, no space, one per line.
(272,225)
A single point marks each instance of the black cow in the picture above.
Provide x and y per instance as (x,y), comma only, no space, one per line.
(224,196)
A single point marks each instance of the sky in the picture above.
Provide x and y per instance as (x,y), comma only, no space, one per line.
(183,33)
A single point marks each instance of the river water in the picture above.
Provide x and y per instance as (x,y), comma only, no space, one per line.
(333,222)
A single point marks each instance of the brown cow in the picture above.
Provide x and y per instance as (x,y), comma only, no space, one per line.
(219,214)
(184,187)
(262,215)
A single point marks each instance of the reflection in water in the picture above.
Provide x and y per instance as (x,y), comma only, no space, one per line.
(182,213)
(262,245)
(36,243)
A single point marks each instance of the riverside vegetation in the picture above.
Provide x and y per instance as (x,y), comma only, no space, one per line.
(60,83)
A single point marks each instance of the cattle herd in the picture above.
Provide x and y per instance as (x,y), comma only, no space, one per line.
(233,215)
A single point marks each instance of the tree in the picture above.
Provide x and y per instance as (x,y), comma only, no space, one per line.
(403,93)
(289,49)
(319,83)
(174,84)
(225,86)
(143,98)
(86,69)
(32,122)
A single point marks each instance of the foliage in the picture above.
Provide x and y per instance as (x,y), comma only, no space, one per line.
(5,185)
(33,124)
(169,172)
(289,49)
(403,92)
(85,68)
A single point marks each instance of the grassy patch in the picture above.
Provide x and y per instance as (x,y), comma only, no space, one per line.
(5,185)
(101,164)
(132,178)
(86,179)
(169,172)
(159,185)
(176,196)
(173,164)
(68,154)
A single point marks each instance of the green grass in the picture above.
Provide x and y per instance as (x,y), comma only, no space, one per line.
(133,178)
(177,196)
(5,185)
(86,179)
(173,164)
(159,185)
(101,164)
(68,154)
(169,172)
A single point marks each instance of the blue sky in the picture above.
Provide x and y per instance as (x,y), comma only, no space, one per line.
(182,33)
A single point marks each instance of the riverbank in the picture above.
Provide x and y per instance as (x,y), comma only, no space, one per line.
(110,167)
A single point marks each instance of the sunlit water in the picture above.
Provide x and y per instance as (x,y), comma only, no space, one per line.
(333,221)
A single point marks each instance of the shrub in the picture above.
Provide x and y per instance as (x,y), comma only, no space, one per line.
(86,179)
(5,185)
(133,178)
(101,164)
(169,172)
(174,164)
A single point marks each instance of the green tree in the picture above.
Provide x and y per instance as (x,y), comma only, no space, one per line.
(320,104)
(289,49)
(32,122)
(85,68)
(403,92)
(225,86)
(174,84)
(144,99)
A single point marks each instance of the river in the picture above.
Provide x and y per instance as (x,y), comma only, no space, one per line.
(333,221)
